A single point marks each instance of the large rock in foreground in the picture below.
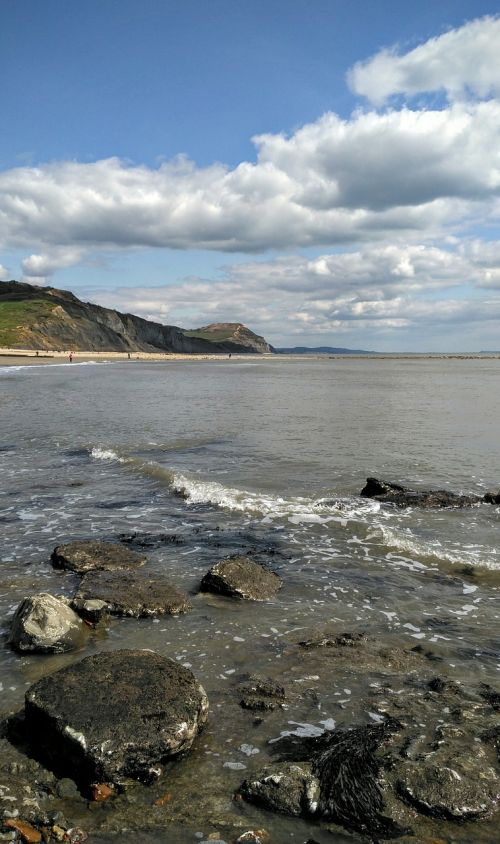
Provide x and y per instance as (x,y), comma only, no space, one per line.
(46,624)
(90,555)
(402,496)
(130,593)
(116,715)
(241,577)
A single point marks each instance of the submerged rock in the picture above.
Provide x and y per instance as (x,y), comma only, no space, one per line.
(260,693)
(129,593)
(240,577)
(151,540)
(46,624)
(345,640)
(402,496)
(285,788)
(90,555)
(115,715)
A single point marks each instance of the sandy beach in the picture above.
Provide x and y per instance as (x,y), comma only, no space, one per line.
(28,357)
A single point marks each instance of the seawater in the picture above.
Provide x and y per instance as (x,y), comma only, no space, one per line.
(266,456)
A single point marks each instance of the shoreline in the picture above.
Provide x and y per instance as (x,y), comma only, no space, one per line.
(29,357)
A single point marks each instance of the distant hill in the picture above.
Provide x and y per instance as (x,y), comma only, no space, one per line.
(46,318)
(322,350)
(231,332)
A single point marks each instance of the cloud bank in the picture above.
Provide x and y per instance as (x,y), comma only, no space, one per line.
(374,292)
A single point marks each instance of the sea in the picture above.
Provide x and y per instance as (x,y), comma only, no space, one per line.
(265,457)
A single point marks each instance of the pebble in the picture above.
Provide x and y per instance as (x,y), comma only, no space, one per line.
(101,792)
(27,832)
(76,835)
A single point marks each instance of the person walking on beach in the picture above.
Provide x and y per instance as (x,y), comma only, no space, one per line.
(71,357)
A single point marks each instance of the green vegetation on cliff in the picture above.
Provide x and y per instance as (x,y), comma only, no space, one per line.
(214,335)
(16,316)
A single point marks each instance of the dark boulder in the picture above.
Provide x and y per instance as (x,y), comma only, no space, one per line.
(241,577)
(134,594)
(401,496)
(115,715)
(46,624)
(90,555)
(492,497)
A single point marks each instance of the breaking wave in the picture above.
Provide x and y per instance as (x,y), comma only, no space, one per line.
(381,526)
(296,509)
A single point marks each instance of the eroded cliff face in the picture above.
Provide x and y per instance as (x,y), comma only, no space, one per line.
(48,319)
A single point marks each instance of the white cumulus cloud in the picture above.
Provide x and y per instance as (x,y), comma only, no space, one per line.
(42,266)
(460,62)
(374,176)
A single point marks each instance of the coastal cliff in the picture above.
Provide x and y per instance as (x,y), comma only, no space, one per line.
(46,318)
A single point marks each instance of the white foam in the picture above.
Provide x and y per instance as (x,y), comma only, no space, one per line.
(105,454)
(404,540)
(6,370)
(303,730)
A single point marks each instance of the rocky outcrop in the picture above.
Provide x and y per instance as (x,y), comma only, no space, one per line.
(90,555)
(401,496)
(452,786)
(134,594)
(115,715)
(56,319)
(240,577)
(46,624)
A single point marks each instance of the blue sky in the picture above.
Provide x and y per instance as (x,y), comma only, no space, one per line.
(259,161)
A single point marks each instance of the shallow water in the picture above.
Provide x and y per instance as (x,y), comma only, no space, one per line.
(266,457)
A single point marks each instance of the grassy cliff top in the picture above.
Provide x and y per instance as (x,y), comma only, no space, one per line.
(16,315)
